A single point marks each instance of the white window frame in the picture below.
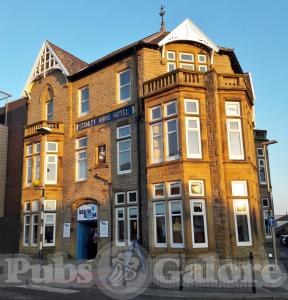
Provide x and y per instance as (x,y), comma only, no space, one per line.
(119,85)
(202,55)
(29,150)
(154,160)
(187,60)
(196,101)
(169,189)
(35,148)
(80,101)
(128,197)
(244,185)
(78,178)
(232,103)
(171,52)
(54,229)
(176,245)
(125,136)
(154,194)
(119,172)
(171,64)
(242,244)
(116,198)
(32,229)
(265,173)
(156,244)
(198,130)
(151,113)
(29,166)
(234,156)
(260,155)
(78,143)
(187,66)
(52,202)
(51,151)
(56,168)
(128,222)
(24,229)
(165,109)
(117,243)
(201,182)
(203,213)
(172,157)
(35,167)
(202,66)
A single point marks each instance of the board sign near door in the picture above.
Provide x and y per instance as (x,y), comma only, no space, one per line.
(87,212)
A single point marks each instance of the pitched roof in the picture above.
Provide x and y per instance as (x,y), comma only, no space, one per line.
(71,63)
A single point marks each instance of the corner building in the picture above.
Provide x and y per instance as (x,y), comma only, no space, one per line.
(152,142)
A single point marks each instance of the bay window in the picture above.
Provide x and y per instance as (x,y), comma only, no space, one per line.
(235,140)
(193,137)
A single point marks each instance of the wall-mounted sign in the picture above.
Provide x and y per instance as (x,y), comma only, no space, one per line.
(104,229)
(87,212)
(66,230)
(101,154)
(111,116)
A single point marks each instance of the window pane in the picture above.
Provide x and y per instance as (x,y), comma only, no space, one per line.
(187,66)
(242,228)
(171,67)
(159,190)
(235,143)
(85,94)
(37,168)
(125,92)
(121,230)
(133,230)
(202,58)
(186,57)
(81,143)
(175,189)
(35,229)
(191,107)
(83,169)
(157,143)
(50,110)
(232,108)
(49,234)
(160,209)
(125,78)
(193,142)
(156,113)
(199,229)
(160,230)
(177,229)
(120,199)
(172,139)
(171,109)
(176,208)
(124,131)
(171,55)
(239,188)
(132,197)
(124,145)
(52,147)
(51,173)
(124,155)
(84,107)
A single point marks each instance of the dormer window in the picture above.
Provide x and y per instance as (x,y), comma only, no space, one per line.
(171,61)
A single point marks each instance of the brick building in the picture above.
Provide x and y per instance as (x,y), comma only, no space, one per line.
(11,162)
(152,142)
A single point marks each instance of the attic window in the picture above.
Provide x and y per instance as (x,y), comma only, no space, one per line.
(45,62)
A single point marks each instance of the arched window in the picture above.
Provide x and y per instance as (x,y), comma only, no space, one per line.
(49,104)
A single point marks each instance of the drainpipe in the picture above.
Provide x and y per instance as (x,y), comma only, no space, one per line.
(138,120)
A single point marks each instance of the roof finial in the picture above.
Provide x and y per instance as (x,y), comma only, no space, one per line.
(162,13)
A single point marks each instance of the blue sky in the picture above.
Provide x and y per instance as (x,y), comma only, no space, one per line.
(256,29)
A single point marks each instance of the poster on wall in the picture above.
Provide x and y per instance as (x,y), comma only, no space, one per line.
(87,212)
(102,154)
(66,230)
(104,229)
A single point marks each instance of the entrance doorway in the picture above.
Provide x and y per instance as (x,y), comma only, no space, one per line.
(86,240)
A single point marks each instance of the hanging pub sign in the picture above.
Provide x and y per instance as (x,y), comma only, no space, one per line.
(87,212)
(111,116)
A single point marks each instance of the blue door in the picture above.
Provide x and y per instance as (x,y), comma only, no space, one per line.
(83,230)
